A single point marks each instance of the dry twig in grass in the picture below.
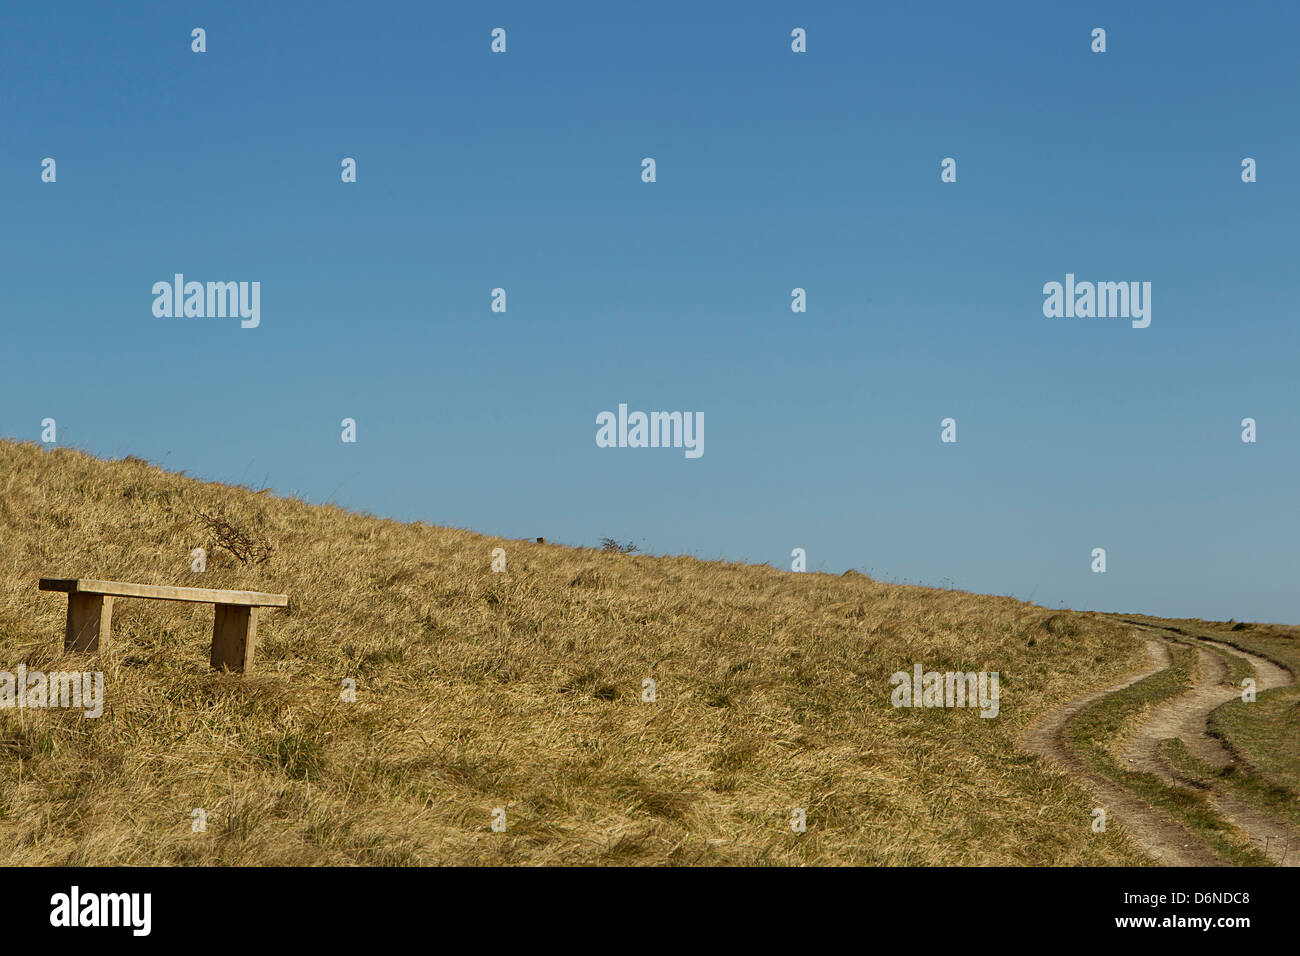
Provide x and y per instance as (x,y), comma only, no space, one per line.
(609,544)
(246,549)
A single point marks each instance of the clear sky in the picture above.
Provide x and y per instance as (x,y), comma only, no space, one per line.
(775,170)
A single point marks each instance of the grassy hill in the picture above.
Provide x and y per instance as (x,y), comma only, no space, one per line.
(520,690)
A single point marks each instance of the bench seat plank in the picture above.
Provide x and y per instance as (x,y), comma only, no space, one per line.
(164,592)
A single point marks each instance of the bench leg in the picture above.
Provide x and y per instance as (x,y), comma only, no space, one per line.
(90,622)
(234,638)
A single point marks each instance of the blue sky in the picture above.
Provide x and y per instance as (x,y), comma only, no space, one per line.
(775,170)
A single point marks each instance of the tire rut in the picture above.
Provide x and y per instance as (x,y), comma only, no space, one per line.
(1186,717)
(1158,834)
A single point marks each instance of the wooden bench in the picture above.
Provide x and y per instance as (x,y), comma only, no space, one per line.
(234,632)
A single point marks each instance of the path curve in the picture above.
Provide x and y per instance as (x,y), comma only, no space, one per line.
(1158,834)
(1186,717)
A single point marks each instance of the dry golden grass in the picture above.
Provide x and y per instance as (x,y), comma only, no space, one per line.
(520,690)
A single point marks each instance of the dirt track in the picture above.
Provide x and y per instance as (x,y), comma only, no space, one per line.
(1183,716)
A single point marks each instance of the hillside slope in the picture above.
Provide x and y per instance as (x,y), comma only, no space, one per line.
(519,690)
